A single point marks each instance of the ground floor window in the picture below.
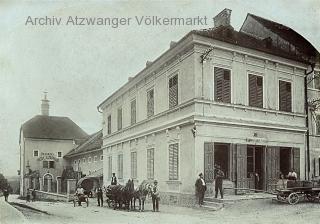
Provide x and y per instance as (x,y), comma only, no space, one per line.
(109,167)
(285,160)
(133,165)
(48,164)
(120,166)
(150,164)
(174,161)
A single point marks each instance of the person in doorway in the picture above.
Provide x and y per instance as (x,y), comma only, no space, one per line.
(6,194)
(219,175)
(155,194)
(256,181)
(113,179)
(201,188)
(28,195)
(292,175)
(99,192)
(33,193)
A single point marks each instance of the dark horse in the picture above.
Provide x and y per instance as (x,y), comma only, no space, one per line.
(141,193)
(120,195)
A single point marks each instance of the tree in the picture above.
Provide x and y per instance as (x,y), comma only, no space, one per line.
(3,182)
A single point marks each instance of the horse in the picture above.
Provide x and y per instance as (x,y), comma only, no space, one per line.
(120,195)
(141,193)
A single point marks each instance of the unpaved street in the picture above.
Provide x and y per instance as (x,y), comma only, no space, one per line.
(252,211)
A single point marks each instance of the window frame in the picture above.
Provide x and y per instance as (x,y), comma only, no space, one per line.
(134,164)
(109,124)
(150,177)
(95,159)
(120,166)
(153,108)
(60,155)
(101,157)
(109,166)
(133,119)
(178,161)
(38,152)
(257,74)
(291,92)
(119,118)
(173,75)
(214,83)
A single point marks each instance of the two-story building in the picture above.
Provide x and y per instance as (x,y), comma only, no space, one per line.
(44,140)
(217,96)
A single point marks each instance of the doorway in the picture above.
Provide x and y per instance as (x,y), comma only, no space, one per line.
(255,166)
(221,157)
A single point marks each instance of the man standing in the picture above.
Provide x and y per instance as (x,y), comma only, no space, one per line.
(6,194)
(100,196)
(155,196)
(219,175)
(33,195)
(113,179)
(200,188)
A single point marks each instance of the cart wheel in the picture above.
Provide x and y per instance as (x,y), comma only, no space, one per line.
(293,198)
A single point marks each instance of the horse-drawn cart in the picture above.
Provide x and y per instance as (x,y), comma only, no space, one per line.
(78,199)
(298,190)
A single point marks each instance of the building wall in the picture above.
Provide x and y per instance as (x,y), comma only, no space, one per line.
(36,163)
(86,167)
(237,122)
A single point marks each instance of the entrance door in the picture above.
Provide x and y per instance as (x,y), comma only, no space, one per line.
(272,167)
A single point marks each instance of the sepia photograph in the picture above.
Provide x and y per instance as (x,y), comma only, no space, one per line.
(158,111)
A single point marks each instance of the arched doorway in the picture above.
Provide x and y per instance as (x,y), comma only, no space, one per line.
(47,182)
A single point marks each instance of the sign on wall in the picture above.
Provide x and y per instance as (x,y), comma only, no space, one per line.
(47,156)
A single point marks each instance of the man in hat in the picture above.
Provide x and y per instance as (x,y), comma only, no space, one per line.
(113,179)
(99,193)
(201,187)
(155,196)
(219,175)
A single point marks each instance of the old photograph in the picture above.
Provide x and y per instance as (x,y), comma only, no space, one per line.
(177,111)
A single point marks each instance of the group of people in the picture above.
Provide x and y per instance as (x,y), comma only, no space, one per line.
(31,192)
(201,185)
(155,194)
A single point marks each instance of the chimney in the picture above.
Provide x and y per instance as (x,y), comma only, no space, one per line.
(148,63)
(223,18)
(45,105)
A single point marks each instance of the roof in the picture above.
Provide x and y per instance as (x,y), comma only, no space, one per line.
(91,143)
(288,34)
(52,127)
(229,35)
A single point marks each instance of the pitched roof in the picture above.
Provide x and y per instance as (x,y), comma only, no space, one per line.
(51,127)
(288,34)
(229,35)
(91,143)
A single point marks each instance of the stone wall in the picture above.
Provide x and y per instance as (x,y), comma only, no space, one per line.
(42,195)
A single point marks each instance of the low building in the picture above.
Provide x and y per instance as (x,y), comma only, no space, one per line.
(87,159)
(217,96)
(44,140)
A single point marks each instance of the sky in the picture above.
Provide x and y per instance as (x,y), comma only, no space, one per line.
(80,66)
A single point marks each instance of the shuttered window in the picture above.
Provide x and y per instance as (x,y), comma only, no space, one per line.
(318,125)
(109,124)
(120,166)
(109,167)
(150,103)
(133,112)
(250,161)
(255,91)
(119,119)
(222,85)
(133,165)
(285,99)
(174,161)
(150,164)
(173,91)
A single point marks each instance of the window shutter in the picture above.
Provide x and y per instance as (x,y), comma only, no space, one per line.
(150,164)
(133,111)
(255,91)
(109,124)
(173,91)
(222,85)
(173,162)
(119,118)
(285,96)
(150,103)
